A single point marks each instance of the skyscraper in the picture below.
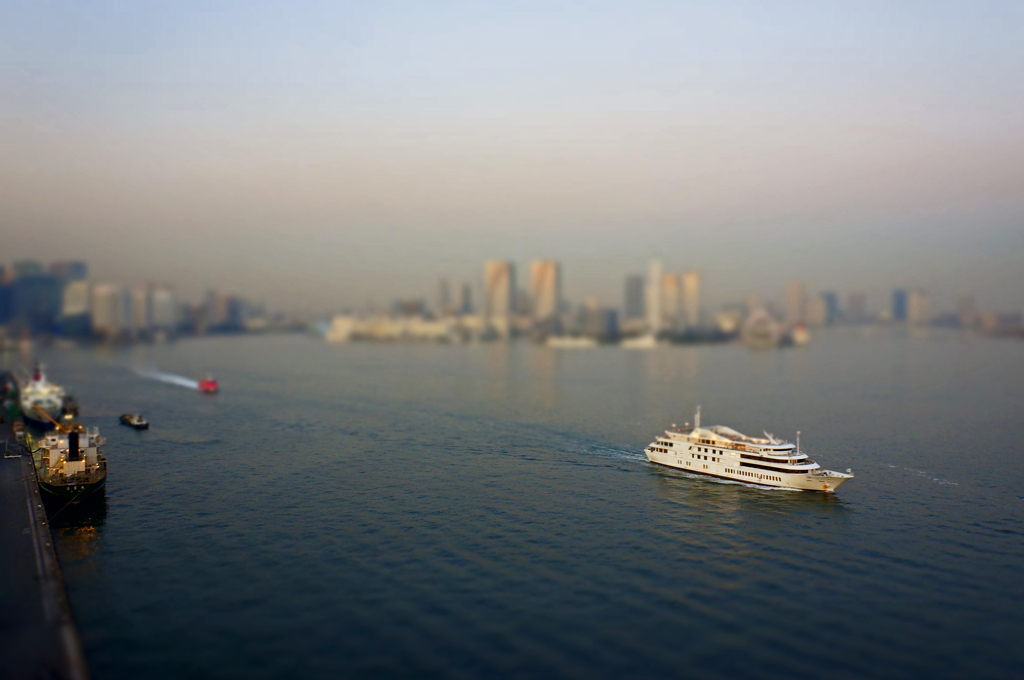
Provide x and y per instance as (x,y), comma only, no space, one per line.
(654,296)
(111,309)
(633,306)
(816,311)
(899,305)
(965,310)
(832,311)
(670,299)
(499,294)
(70,271)
(691,297)
(796,299)
(165,309)
(917,307)
(545,289)
(856,308)
(443,298)
(463,300)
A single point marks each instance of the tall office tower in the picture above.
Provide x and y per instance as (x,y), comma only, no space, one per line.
(691,298)
(856,308)
(816,311)
(545,289)
(899,305)
(27,268)
(443,298)
(142,307)
(633,303)
(654,297)
(463,299)
(74,309)
(917,307)
(966,311)
(499,294)
(796,299)
(832,312)
(36,301)
(670,299)
(165,309)
(110,313)
(70,271)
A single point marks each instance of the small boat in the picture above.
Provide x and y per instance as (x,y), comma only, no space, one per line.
(135,420)
(208,385)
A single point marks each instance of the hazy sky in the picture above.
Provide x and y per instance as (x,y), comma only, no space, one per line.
(327,153)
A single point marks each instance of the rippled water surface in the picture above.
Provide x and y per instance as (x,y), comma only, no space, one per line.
(487,511)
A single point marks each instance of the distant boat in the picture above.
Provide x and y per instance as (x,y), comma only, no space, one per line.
(761,331)
(568,342)
(208,385)
(40,396)
(641,342)
(135,420)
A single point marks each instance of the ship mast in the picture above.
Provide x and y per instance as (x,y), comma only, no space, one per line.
(696,419)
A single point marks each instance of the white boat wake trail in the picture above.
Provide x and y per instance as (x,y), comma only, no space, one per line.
(169,378)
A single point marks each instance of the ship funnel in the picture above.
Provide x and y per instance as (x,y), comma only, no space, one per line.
(696,418)
(73,451)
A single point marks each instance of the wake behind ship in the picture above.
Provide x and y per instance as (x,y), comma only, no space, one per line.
(720,451)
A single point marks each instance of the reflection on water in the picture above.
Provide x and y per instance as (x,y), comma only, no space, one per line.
(78,528)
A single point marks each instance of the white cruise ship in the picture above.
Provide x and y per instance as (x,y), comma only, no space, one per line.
(720,451)
(38,393)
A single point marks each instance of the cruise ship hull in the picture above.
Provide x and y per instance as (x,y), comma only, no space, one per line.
(824,481)
(37,421)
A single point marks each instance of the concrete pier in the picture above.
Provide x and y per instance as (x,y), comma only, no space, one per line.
(38,638)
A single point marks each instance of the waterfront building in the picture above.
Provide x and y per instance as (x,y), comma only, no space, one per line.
(691,298)
(463,300)
(499,294)
(856,308)
(142,308)
(164,308)
(816,311)
(899,305)
(36,299)
(966,311)
(27,268)
(442,298)
(796,299)
(832,312)
(74,310)
(654,297)
(545,290)
(917,307)
(633,301)
(670,300)
(110,310)
(70,271)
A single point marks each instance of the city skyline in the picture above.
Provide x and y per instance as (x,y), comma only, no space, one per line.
(362,152)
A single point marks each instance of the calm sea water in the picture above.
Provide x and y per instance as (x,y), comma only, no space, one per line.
(487,511)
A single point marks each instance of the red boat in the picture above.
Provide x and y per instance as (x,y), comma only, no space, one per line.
(208,385)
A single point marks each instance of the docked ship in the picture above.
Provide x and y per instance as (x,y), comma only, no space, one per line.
(720,451)
(38,396)
(69,462)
